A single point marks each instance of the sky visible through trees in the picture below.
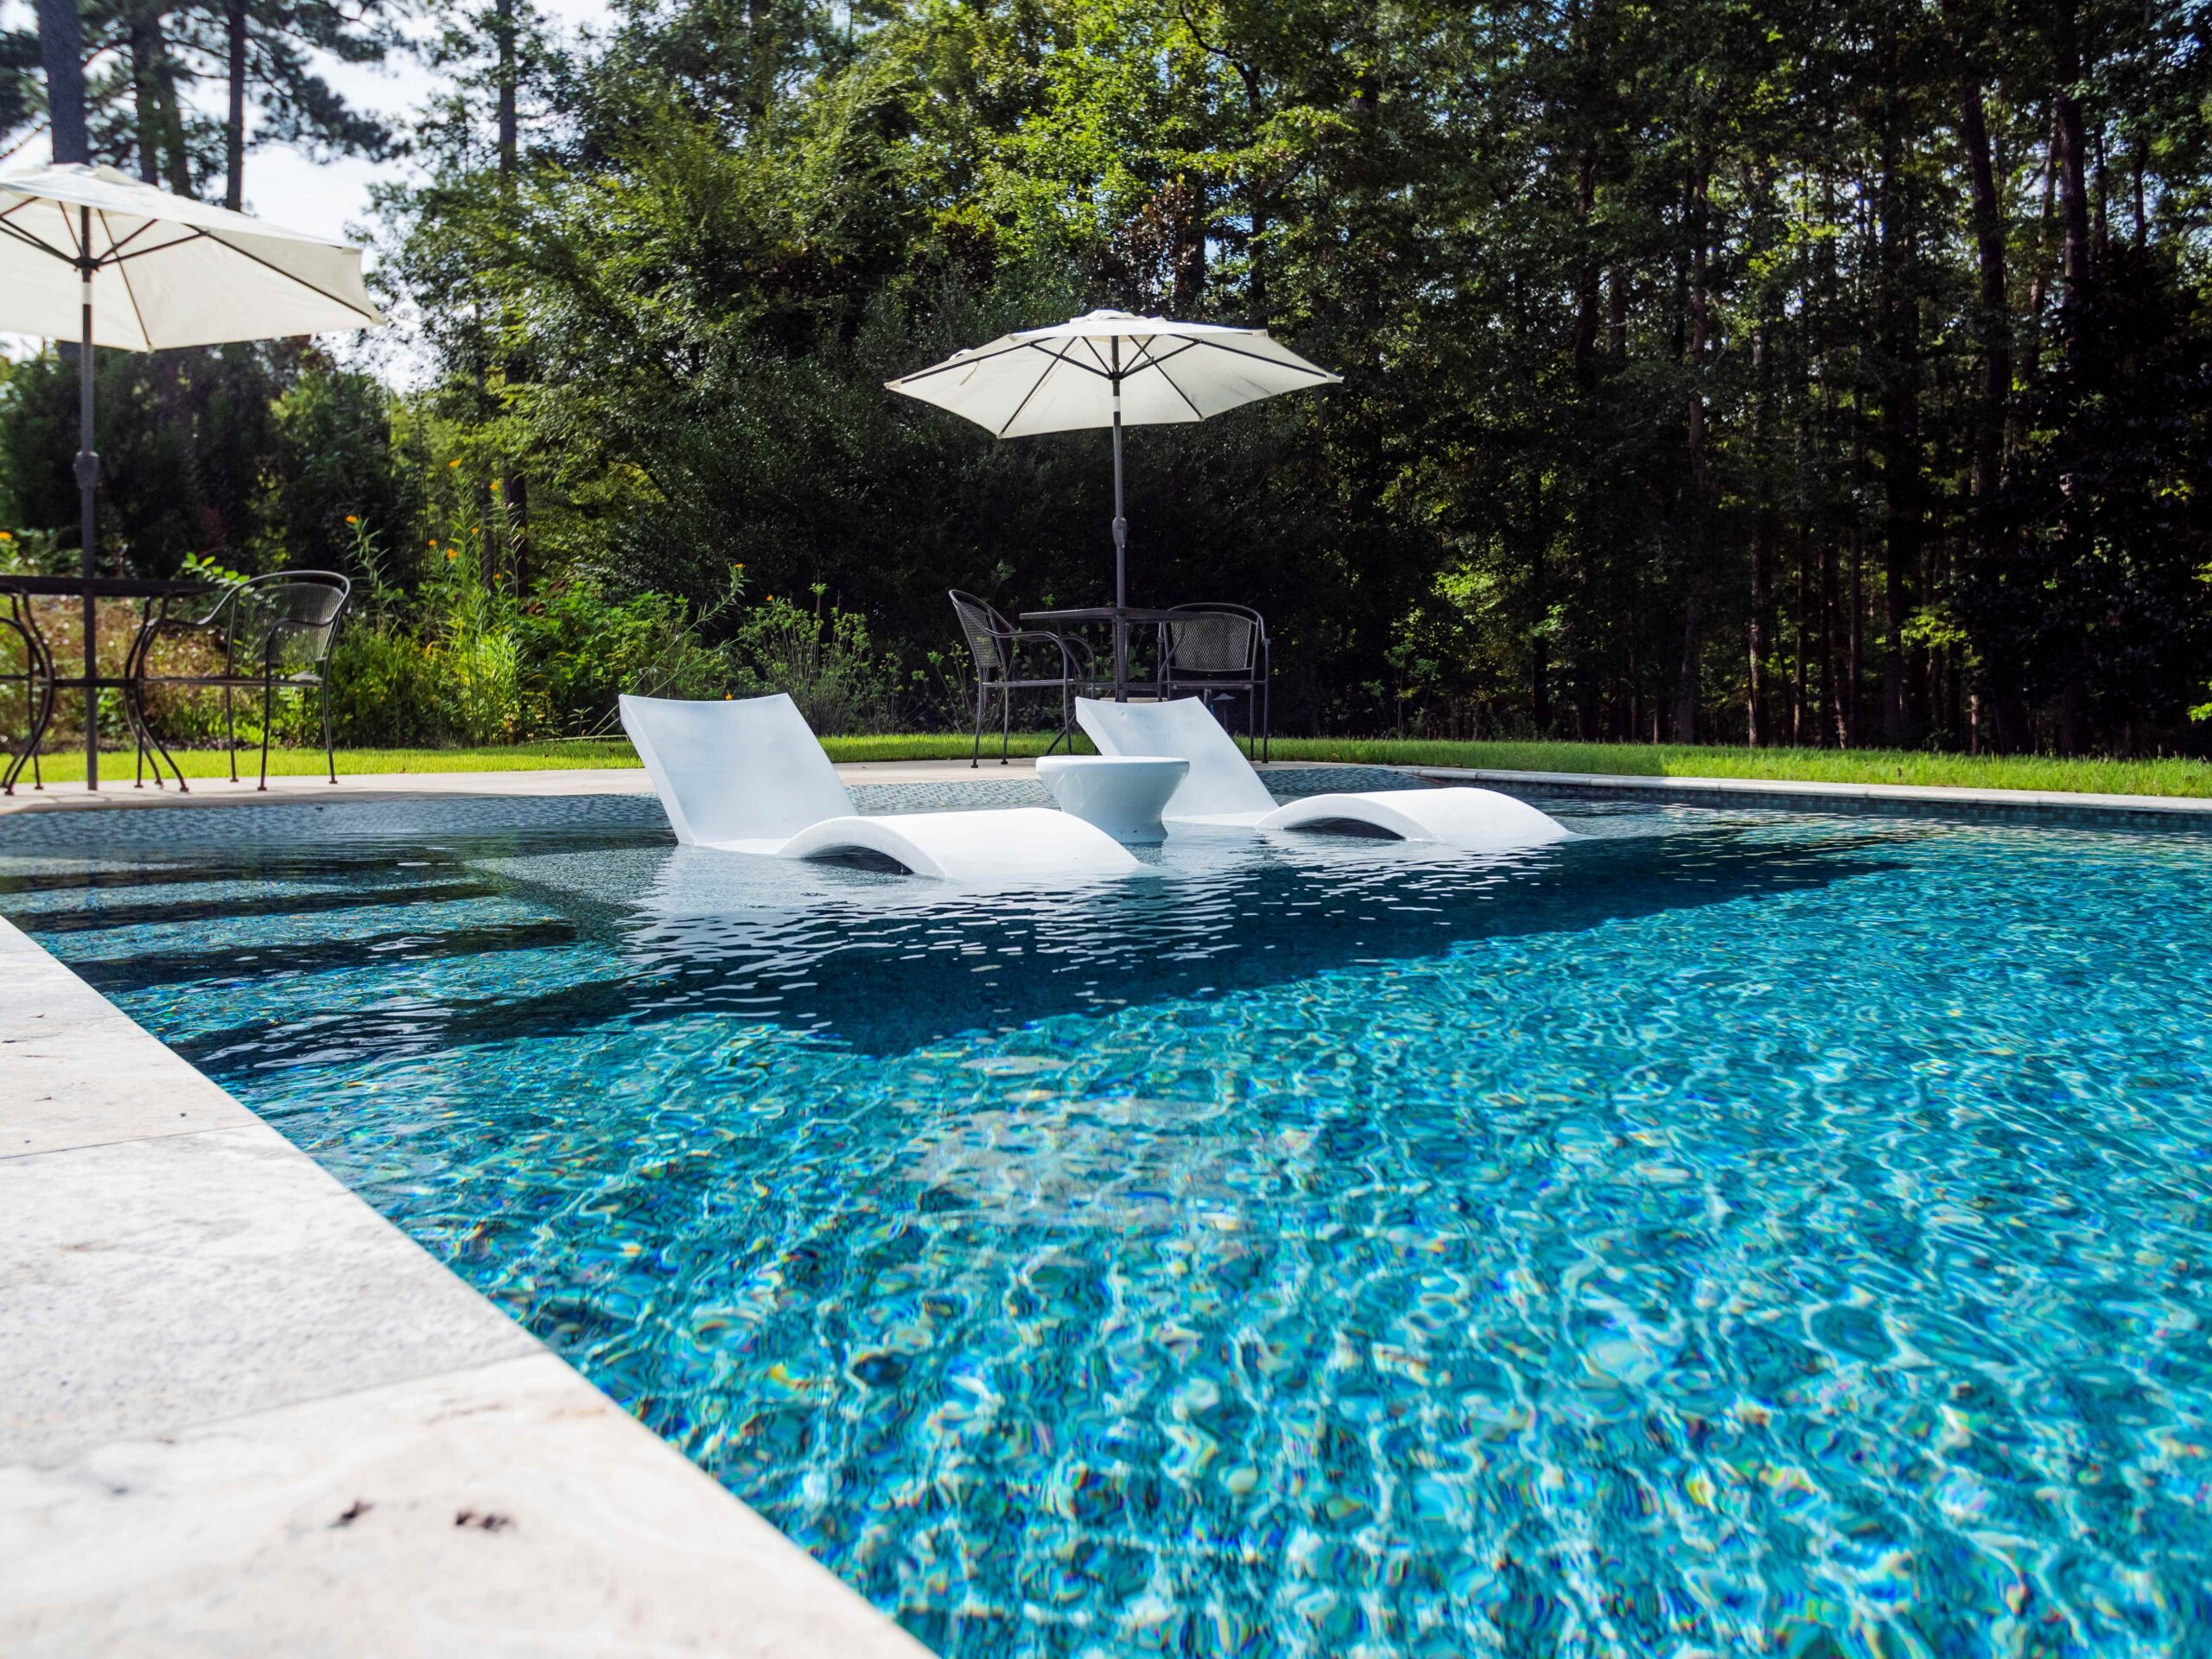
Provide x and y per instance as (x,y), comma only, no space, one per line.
(1819,374)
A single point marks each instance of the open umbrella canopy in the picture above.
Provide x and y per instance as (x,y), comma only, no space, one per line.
(167,270)
(90,254)
(1111,369)
(1071,377)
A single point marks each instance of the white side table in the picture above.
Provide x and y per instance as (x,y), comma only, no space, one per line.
(1121,794)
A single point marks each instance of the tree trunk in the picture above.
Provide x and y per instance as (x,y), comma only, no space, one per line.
(514,488)
(1686,682)
(1801,629)
(1758,634)
(234,29)
(1766,531)
(502,30)
(2032,346)
(61,49)
(176,162)
(1256,210)
(1996,316)
(1851,721)
(145,96)
(2072,160)
(1900,427)
(1839,682)
(1585,283)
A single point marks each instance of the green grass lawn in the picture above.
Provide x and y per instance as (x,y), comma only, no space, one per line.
(2162,777)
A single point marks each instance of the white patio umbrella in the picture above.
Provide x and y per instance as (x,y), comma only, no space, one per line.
(1110,368)
(92,254)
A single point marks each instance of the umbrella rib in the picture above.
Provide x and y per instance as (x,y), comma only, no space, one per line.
(131,293)
(111,257)
(29,241)
(115,254)
(1300,367)
(289,277)
(1045,375)
(1179,392)
(962,360)
(1158,365)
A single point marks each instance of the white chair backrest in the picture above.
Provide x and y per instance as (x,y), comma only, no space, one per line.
(743,770)
(1221,780)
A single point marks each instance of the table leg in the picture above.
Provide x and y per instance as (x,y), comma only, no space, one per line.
(151,618)
(24,618)
(30,677)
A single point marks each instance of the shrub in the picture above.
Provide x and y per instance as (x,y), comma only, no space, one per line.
(385,689)
(580,650)
(825,659)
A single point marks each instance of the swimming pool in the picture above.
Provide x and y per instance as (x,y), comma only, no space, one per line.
(1721,1232)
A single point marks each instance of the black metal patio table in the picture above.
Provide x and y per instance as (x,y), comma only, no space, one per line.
(1121,619)
(43,682)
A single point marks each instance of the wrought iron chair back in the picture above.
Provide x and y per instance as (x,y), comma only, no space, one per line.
(285,624)
(1214,649)
(995,643)
(1213,641)
(989,636)
(278,631)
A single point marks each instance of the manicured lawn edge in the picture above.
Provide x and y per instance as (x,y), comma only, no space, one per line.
(2090,775)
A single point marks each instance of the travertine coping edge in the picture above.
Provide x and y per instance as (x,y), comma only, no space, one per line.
(1993,805)
(241,1412)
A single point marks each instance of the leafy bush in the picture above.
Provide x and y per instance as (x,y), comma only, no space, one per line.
(825,659)
(582,649)
(386,689)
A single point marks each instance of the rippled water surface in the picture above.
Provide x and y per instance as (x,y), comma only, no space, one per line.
(1738,1234)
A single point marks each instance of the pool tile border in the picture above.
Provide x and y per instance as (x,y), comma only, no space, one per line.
(239,1411)
(2076,810)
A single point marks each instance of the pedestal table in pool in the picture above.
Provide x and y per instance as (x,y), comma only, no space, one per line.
(1121,794)
(41,676)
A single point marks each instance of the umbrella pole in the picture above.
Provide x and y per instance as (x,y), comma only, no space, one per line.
(88,478)
(1121,542)
(1120,525)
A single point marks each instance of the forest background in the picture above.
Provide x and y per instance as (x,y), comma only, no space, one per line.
(1807,372)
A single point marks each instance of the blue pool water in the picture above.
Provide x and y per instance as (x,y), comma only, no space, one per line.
(1717,1234)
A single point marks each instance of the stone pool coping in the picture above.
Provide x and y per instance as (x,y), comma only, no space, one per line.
(241,1412)
(2002,805)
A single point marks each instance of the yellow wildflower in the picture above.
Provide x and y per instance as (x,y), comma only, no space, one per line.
(353,518)
(451,465)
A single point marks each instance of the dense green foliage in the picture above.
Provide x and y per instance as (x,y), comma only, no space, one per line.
(1817,373)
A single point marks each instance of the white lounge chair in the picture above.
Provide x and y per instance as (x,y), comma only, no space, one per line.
(748,776)
(1223,792)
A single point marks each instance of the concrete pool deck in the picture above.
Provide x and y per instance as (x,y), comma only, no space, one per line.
(241,1413)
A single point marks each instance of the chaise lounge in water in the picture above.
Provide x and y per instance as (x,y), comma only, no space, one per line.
(748,776)
(1222,791)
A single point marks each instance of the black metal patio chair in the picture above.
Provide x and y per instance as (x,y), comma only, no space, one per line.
(997,646)
(278,631)
(1220,650)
